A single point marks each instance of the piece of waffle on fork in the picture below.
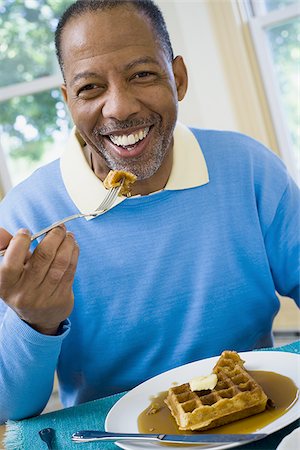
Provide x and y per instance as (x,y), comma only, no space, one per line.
(114,179)
(235,396)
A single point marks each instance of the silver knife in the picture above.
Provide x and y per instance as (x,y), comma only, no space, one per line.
(91,435)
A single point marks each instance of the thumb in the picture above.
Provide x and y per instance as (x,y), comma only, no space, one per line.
(5,238)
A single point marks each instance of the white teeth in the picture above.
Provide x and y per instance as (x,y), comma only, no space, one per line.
(132,139)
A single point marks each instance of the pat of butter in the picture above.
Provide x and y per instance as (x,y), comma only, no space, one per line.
(204,383)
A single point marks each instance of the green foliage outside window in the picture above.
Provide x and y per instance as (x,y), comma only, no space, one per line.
(277,4)
(285,44)
(29,124)
(27,38)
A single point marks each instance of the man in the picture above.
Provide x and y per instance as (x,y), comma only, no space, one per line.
(185,268)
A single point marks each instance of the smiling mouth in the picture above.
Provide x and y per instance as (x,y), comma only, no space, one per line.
(129,141)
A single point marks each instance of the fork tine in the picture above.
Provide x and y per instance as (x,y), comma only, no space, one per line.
(114,196)
(110,197)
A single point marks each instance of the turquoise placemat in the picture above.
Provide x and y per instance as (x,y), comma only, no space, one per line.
(294,347)
(23,435)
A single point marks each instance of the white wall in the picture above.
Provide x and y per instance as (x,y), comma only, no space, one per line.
(208,103)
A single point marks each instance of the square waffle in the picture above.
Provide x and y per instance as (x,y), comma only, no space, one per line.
(235,396)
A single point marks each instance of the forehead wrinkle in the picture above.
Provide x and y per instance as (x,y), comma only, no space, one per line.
(85,74)
(142,60)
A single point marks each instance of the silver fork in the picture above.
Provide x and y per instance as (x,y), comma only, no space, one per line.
(102,208)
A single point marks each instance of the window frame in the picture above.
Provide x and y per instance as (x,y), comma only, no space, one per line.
(257,26)
(5,180)
(30,87)
(20,90)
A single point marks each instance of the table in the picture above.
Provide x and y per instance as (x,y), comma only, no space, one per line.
(2,430)
(94,413)
(282,434)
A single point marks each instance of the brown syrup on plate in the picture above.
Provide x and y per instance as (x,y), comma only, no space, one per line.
(280,389)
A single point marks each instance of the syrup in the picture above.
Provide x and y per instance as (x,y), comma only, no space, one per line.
(280,389)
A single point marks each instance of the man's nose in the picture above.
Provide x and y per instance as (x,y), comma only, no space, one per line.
(120,103)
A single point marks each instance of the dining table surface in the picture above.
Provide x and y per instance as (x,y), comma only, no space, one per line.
(2,430)
(284,433)
(109,401)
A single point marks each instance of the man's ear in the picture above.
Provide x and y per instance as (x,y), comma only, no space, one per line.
(181,77)
(64,92)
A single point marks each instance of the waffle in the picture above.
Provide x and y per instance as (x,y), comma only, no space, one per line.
(114,179)
(235,396)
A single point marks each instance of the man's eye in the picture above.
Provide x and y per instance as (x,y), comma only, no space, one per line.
(88,87)
(143,75)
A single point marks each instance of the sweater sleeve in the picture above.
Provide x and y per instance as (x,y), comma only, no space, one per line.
(282,242)
(28,359)
(28,362)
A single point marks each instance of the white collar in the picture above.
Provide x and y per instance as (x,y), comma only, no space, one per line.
(87,191)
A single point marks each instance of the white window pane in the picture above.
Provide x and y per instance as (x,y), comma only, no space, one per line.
(284,42)
(32,129)
(271,5)
(262,7)
(26,39)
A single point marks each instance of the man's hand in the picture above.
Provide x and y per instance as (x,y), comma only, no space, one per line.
(38,286)
(5,238)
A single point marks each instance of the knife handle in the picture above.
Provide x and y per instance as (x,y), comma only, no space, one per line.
(90,435)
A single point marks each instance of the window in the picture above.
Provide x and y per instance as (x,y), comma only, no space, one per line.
(33,117)
(32,127)
(275,29)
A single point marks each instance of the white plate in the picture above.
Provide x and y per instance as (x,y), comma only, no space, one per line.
(124,414)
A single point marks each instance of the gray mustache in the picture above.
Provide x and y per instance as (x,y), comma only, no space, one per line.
(117,126)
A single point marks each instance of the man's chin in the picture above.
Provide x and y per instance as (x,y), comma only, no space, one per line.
(140,175)
(142,170)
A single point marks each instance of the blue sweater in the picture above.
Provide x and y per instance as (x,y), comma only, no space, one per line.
(162,280)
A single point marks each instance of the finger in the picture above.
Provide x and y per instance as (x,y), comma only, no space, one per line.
(12,264)
(42,257)
(5,238)
(60,304)
(59,264)
(68,277)
(17,251)
(29,253)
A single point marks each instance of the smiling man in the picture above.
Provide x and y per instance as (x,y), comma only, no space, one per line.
(122,86)
(185,268)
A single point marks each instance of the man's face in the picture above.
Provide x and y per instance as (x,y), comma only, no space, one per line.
(121,89)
